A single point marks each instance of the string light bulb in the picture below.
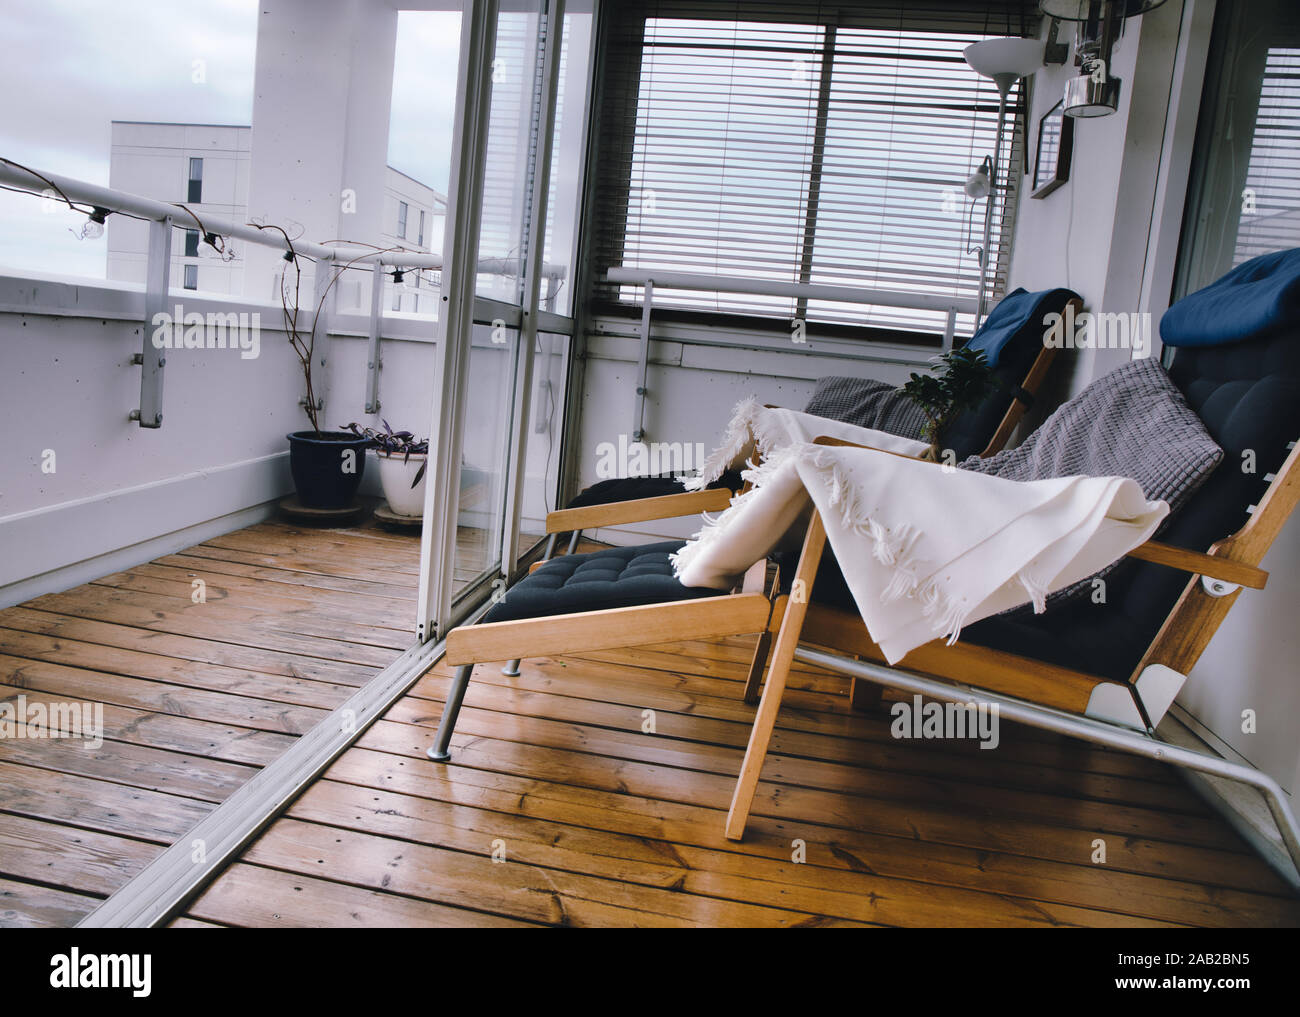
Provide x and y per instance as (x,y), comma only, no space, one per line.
(94,227)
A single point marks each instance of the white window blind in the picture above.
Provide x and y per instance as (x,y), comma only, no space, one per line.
(803,143)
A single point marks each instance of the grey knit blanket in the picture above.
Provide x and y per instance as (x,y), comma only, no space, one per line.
(867,402)
(1132,422)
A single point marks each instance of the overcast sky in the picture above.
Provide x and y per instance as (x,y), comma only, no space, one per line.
(73,66)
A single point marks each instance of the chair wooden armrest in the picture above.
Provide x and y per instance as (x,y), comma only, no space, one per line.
(639,510)
(1209,565)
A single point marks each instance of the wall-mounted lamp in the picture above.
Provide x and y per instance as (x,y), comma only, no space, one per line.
(1098,24)
(1006,61)
(980,183)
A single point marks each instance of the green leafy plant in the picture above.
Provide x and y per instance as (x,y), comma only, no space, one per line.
(961,379)
(394,443)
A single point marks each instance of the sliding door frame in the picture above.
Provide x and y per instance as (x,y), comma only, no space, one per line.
(439,606)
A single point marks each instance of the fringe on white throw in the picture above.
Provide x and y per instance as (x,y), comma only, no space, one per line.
(714,526)
(747,431)
(895,547)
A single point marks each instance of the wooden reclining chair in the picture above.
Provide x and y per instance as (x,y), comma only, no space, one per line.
(1022,366)
(1104,672)
(617,597)
(982,430)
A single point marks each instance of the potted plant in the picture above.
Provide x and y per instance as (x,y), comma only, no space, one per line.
(403,460)
(327,466)
(962,378)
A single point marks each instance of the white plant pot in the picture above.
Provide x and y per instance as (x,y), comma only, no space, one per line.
(395,475)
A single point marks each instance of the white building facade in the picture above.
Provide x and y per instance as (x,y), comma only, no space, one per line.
(206,168)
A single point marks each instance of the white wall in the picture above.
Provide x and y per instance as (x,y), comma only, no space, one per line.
(67,386)
(692,388)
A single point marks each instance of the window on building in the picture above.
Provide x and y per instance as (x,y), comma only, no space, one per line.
(191,243)
(420,237)
(808,143)
(196,181)
(1243,197)
(403,210)
(191,277)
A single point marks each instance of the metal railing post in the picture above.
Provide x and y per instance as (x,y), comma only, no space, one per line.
(156,296)
(372,348)
(643,364)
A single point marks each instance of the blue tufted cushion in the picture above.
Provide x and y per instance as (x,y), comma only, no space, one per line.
(614,577)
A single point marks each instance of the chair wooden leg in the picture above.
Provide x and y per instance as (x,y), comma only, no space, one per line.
(755,676)
(864,695)
(438,752)
(787,641)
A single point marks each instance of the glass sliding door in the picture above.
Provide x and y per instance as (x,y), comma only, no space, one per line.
(485,456)
(500,399)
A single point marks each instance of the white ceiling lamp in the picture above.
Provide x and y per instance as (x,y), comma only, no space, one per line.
(1006,61)
(1098,24)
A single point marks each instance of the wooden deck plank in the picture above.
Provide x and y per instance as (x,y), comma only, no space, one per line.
(813,713)
(29,906)
(98,658)
(865,742)
(251,895)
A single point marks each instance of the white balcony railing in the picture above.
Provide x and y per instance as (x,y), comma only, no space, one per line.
(331,261)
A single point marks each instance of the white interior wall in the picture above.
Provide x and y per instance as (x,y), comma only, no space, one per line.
(691,390)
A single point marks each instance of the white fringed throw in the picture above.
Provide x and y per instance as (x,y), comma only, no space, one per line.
(924,549)
(754,428)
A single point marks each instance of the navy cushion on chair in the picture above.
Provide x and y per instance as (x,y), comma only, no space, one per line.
(1258,298)
(1248,397)
(970,433)
(620,489)
(614,577)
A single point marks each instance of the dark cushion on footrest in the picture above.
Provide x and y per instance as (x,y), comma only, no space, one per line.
(614,577)
(621,489)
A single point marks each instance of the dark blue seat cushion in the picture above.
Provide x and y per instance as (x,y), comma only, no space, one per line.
(1257,299)
(1016,334)
(1248,397)
(620,489)
(614,577)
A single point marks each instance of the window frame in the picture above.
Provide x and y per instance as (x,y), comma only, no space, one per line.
(609,236)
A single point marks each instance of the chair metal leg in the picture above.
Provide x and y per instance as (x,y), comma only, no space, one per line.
(511,670)
(573,541)
(442,740)
(755,676)
(549,553)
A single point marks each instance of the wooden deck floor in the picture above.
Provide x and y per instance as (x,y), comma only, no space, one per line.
(596,820)
(196,696)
